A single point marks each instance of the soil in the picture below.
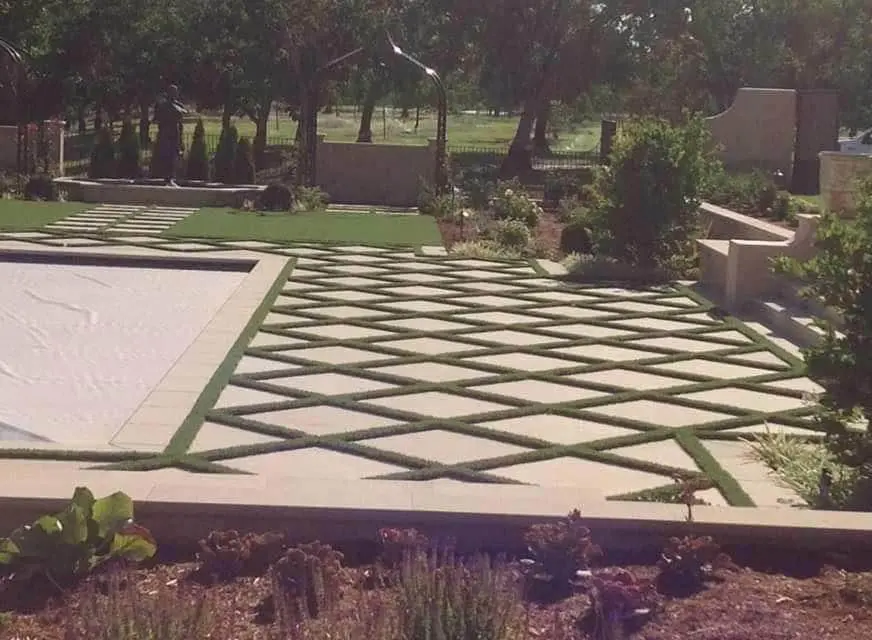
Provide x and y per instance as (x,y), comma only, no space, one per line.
(825,603)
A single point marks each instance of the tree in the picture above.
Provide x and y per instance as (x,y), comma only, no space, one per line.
(128,152)
(103,156)
(243,163)
(225,155)
(198,156)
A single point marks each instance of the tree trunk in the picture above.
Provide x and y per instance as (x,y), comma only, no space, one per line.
(364,134)
(261,127)
(404,114)
(144,123)
(98,118)
(520,158)
(82,120)
(226,115)
(417,118)
(540,133)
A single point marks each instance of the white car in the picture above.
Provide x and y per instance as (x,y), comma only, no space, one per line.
(860,144)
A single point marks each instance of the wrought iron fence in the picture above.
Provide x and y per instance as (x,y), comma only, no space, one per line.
(472,156)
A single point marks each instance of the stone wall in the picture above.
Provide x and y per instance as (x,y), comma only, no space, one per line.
(54,140)
(377,174)
(841,174)
(758,130)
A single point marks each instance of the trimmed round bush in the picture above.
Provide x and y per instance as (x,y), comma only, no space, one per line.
(575,238)
(243,163)
(277,197)
(41,187)
(512,234)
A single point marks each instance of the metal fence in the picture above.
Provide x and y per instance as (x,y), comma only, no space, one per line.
(472,156)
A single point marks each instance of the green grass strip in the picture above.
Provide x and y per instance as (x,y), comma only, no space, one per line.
(187,432)
(19,215)
(725,482)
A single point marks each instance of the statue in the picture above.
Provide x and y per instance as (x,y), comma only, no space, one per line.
(168,114)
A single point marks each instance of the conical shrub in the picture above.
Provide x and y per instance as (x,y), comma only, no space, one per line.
(243,163)
(128,152)
(225,155)
(103,155)
(198,157)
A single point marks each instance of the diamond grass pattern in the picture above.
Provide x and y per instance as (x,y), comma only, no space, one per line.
(380,362)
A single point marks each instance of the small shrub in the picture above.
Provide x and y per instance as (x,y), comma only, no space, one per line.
(68,545)
(484,249)
(439,205)
(600,268)
(686,563)
(125,614)
(225,155)
(558,551)
(618,599)
(243,163)
(277,197)
(397,543)
(8,185)
(128,152)
(782,208)
(575,238)
(41,187)
(561,185)
(307,583)
(751,193)
(311,199)
(514,235)
(647,200)
(198,156)
(571,209)
(103,156)
(224,555)
(512,203)
(441,597)
(478,185)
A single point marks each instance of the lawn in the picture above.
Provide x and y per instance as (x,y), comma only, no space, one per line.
(19,215)
(464,130)
(338,228)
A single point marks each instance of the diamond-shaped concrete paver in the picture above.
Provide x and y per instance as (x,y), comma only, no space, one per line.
(594,477)
(437,404)
(665,452)
(744,399)
(321,420)
(712,368)
(557,429)
(522,362)
(312,463)
(341,331)
(627,379)
(509,337)
(330,384)
(234,396)
(432,372)
(444,447)
(217,436)
(336,355)
(538,392)
(659,413)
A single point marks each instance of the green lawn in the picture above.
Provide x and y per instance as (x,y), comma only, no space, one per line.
(339,228)
(463,130)
(19,215)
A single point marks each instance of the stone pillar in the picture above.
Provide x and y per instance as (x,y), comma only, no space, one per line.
(840,177)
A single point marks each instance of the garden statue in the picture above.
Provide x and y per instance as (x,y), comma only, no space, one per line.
(168,114)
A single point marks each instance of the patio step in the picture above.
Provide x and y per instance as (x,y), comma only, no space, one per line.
(794,318)
(713,262)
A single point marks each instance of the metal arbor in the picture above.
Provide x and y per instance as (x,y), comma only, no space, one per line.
(17,58)
(309,114)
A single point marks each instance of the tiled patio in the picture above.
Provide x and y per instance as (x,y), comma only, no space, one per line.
(392,364)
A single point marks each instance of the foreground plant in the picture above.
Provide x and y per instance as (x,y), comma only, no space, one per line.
(439,596)
(558,551)
(398,543)
(68,545)
(619,600)
(686,563)
(225,555)
(125,613)
(307,583)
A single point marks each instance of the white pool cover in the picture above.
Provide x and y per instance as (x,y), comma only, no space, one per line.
(81,347)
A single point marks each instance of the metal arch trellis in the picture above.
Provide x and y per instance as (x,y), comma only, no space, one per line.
(309,115)
(22,143)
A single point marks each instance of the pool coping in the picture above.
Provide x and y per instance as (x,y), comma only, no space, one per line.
(181,510)
(172,400)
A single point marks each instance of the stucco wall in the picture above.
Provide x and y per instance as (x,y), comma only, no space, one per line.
(841,174)
(758,130)
(383,174)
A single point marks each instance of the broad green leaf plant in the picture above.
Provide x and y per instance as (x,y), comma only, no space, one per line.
(70,544)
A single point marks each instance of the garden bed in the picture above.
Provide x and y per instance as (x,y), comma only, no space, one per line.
(759,601)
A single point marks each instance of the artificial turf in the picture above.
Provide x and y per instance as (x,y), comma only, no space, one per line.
(326,227)
(21,215)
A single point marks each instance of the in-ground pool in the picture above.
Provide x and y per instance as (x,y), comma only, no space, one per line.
(84,340)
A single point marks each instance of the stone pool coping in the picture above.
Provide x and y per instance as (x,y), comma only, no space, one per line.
(172,401)
(211,195)
(180,510)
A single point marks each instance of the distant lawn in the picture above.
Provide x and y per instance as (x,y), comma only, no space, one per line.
(339,228)
(817,200)
(20,215)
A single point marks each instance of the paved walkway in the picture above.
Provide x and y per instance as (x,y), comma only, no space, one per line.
(122,219)
(377,363)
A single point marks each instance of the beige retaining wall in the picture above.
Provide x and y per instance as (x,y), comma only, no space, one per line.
(758,130)
(382,174)
(841,174)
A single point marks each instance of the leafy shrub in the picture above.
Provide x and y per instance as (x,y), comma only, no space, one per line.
(198,156)
(686,563)
(277,197)
(602,268)
(225,155)
(560,185)
(103,156)
(783,206)
(125,614)
(512,203)
(41,187)
(311,199)
(558,551)
(438,205)
(243,163)
(306,582)
(571,209)
(478,185)
(647,200)
(224,555)
(752,193)
(441,597)
(840,276)
(128,152)
(68,545)
(618,599)
(511,234)
(484,249)
(397,543)
(575,238)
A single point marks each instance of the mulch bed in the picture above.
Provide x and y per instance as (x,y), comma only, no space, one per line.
(546,236)
(823,604)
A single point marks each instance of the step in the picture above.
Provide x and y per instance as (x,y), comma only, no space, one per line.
(791,296)
(792,322)
(713,261)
